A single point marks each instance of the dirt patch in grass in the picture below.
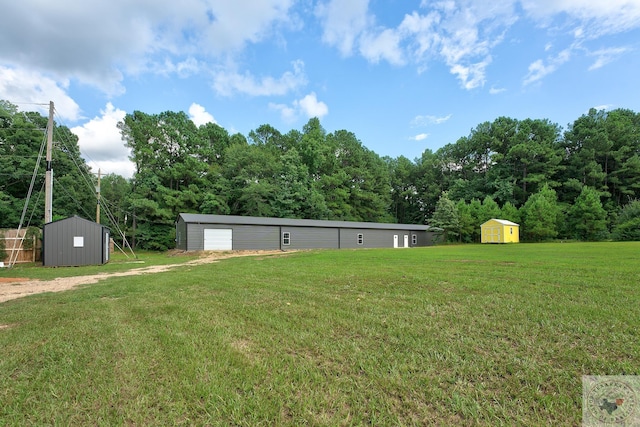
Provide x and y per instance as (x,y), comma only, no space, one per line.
(12,279)
(12,288)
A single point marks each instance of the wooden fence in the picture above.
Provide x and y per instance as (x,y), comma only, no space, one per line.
(15,247)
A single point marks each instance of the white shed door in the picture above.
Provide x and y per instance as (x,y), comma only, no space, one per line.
(218,239)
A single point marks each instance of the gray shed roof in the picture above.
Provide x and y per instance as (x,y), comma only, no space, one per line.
(254,220)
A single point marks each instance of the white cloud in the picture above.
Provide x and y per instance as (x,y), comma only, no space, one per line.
(343,22)
(429,120)
(602,107)
(186,68)
(585,20)
(97,43)
(199,115)
(605,56)
(420,137)
(308,106)
(473,75)
(26,88)
(231,24)
(384,45)
(422,30)
(591,18)
(460,33)
(101,144)
(227,83)
(311,107)
(287,113)
(539,69)
(496,90)
(464,33)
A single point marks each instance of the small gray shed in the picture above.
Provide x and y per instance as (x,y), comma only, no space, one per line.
(74,241)
(227,232)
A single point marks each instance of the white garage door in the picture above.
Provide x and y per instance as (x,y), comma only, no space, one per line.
(218,239)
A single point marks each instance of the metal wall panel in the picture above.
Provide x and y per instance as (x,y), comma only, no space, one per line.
(62,239)
(258,237)
(311,238)
(370,238)
(195,236)
(245,237)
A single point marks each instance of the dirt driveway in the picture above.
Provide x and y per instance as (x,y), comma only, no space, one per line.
(12,288)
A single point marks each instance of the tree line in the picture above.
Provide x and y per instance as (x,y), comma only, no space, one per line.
(578,183)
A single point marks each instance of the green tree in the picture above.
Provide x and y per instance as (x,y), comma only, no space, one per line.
(540,215)
(490,210)
(405,205)
(115,195)
(297,196)
(510,213)
(467,223)
(446,217)
(627,225)
(429,184)
(587,217)
(588,155)
(251,173)
(354,181)
(475,208)
(535,156)
(21,138)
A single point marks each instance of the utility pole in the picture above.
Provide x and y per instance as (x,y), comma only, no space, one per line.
(98,205)
(48,178)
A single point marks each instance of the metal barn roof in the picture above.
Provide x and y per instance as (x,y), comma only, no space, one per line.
(253,220)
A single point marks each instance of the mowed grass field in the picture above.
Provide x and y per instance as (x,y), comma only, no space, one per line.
(449,335)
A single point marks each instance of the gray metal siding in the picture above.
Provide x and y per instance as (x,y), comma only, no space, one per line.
(58,240)
(370,238)
(311,238)
(266,233)
(247,237)
(195,236)
(426,238)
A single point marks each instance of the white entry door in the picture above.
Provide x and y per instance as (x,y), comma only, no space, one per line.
(218,239)
(395,240)
(406,240)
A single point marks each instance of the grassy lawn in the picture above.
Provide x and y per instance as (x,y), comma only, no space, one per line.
(471,335)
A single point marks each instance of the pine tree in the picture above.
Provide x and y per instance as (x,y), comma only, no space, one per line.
(627,226)
(446,217)
(540,214)
(587,217)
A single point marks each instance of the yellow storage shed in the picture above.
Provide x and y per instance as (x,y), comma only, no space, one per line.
(500,231)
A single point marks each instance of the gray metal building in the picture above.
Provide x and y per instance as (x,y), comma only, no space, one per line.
(227,232)
(74,241)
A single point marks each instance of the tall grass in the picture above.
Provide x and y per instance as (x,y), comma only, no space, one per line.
(467,335)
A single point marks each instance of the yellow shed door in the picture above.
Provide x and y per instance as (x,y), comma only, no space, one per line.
(493,234)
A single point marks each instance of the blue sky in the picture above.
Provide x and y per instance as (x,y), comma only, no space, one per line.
(404,76)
